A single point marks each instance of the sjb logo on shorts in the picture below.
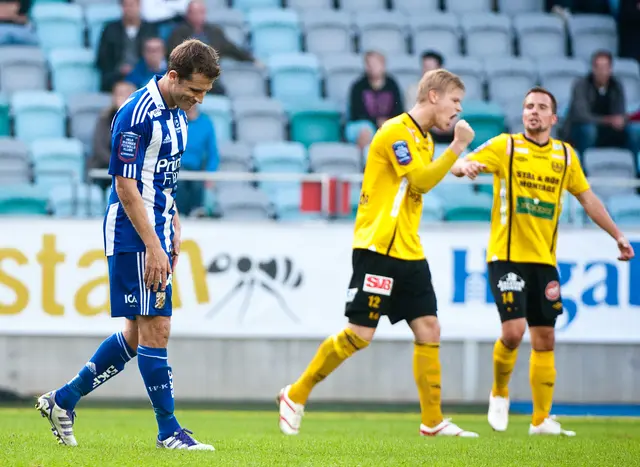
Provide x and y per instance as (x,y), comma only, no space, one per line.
(379,285)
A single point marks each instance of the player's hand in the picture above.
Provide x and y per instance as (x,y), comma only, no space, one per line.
(463,132)
(472,169)
(177,241)
(626,250)
(157,268)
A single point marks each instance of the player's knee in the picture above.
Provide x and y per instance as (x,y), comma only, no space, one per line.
(350,340)
(512,333)
(153,331)
(130,333)
(543,338)
(426,329)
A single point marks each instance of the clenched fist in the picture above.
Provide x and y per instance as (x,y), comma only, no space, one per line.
(463,132)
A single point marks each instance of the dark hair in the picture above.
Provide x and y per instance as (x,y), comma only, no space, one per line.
(541,90)
(601,53)
(435,55)
(193,56)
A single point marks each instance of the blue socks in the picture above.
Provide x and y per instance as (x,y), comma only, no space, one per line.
(156,374)
(108,361)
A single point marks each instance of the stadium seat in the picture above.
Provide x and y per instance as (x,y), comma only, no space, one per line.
(452,188)
(484,184)
(259,120)
(340,71)
(247,5)
(409,7)
(464,7)
(384,31)
(38,114)
(441,30)
(475,208)
(15,162)
(73,71)
(274,31)
(487,34)
(317,123)
(540,35)
(97,15)
(295,77)
(244,203)
(23,200)
(84,111)
(5,119)
(235,157)
(354,6)
(316,5)
(557,74)
(432,209)
(590,32)
(472,73)
(327,32)
(77,200)
(509,78)
(512,7)
(405,69)
(625,209)
(486,118)
(216,4)
(283,158)
(22,68)
(232,23)
(218,109)
(513,117)
(627,70)
(611,163)
(242,79)
(58,25)
(334,158)
(286,201)
(58,161)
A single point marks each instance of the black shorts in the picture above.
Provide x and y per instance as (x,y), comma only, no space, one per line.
(381,285)
(526,290)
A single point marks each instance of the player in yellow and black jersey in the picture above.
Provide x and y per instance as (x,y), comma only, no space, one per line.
(531,171)
(390,273)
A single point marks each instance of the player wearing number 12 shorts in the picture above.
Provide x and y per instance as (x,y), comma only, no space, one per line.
(390,273)
(531,171)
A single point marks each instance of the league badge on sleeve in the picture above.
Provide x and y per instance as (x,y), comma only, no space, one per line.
(401,150)
(128,147)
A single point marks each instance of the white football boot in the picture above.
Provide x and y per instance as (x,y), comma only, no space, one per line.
(498,415)
(290,413)
(61,420)
(182,439)
(550,427)
(446,428)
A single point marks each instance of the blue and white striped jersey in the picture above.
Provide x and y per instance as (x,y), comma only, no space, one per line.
(147,141)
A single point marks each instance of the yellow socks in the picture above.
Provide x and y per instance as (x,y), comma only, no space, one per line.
(504,360)
(331,353)
(542,376)
(426,371)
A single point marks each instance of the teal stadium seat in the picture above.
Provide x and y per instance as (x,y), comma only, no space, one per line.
(286,201)
(280,157)
(247,5)
(625,209)
(96,16)
(274,31)
(475,208)
(486,118)
(57,161)
(58,25)
(24,199)
(295,78)
(77,200)
(218,109)
(73,71)
(319,123)
(5,120)
(38,114)
(432,208)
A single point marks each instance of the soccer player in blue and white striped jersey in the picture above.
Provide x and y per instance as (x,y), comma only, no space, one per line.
(142,242)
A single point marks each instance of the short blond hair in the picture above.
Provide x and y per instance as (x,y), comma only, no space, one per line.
(438,80)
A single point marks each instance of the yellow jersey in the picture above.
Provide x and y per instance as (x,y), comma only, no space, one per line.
(528,183)
(390,209)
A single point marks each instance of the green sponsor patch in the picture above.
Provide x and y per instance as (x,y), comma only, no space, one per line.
(535,208)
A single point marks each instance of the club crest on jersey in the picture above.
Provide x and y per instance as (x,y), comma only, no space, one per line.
(557,167)
(128,147)
(401,150)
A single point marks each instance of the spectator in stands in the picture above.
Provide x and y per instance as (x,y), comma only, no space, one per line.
(374,98)
(101,153)
(629,29)
(431,60)
(201,154)
(120,47)
(153,62)
(164,14)
(597,110)
(14,24)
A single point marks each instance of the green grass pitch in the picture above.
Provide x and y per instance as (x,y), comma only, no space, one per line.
(109,437)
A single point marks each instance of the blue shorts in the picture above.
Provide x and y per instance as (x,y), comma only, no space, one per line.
(128,293)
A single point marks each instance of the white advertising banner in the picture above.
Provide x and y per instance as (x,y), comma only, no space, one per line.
(286,280)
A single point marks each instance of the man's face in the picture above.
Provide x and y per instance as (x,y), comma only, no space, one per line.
(448,106)
(153,53)
(601,68)
(187,92)
(537,113)
(131,9)
(197,14)
(375,66)
(121,93)
(429,64)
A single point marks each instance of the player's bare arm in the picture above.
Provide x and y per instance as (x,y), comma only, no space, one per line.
(177,239)
(596,210)
(466,167)
(426,177)
(157,265)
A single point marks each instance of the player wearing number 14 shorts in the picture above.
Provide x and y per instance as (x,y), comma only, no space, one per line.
(531,171)
(390,273)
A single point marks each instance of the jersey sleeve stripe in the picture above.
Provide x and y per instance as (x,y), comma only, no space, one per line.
(137,114)
(110,228)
